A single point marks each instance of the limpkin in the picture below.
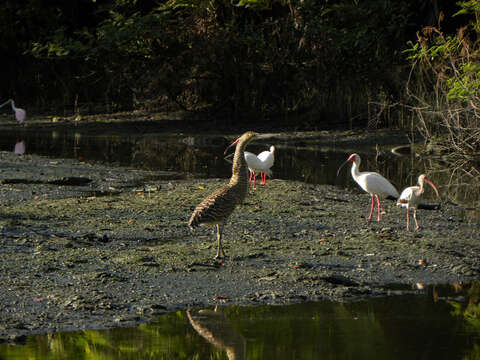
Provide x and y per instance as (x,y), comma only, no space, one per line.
(218,206)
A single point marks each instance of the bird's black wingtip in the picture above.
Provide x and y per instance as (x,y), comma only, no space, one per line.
(430,206)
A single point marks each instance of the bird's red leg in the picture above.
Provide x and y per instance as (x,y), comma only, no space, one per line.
(379,208)
(261,177)
(415,217)
(371,209)
(250,180)
(254,178)
(265,179)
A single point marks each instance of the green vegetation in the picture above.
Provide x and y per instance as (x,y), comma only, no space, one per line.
(445,82)
(253,58)
(317,63)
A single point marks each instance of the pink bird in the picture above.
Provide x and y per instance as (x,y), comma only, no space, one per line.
(411,196)
(20,114)
(19,148)
(371,182)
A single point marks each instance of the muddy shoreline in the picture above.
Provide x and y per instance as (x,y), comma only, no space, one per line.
(88,246)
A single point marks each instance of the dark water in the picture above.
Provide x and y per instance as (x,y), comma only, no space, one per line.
(201,156)
(437,323)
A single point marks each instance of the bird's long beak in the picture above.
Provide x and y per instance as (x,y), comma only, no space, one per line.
(262,136)
(229,146)
(228,158)
(341,166)
(433,186)
(5,103)
(257,136)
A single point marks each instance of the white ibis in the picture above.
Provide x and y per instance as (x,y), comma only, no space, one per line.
(411,196)
(371,182)
(254,164)
(20,114)
(267,158)
(260,163)
(217,207)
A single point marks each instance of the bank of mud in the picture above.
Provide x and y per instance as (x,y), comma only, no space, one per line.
(88,246)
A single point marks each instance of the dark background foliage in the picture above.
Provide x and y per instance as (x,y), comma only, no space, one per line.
(319,62)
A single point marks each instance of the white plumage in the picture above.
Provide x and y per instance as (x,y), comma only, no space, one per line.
(268,158)
(260,163)
(371,182)
(411,196)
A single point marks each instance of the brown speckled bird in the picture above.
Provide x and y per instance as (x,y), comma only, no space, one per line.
(217,207)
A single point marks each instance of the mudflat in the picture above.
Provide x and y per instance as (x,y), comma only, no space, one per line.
(88,246)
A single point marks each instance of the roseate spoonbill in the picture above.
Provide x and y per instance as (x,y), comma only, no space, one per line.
(371,182)
(217,207)
(411,196)
(20,114)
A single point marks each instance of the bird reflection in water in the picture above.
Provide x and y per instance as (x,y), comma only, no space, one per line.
(19,148)
(214,327)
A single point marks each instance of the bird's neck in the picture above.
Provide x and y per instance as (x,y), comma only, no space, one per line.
(239,168)
(421,187)
(354,170)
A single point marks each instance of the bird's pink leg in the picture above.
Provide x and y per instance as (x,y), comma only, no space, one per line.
(264,178)
(262,175)
(371,209)
(379,208)
(415,217)
(254,178)
(250,180)
(408,217)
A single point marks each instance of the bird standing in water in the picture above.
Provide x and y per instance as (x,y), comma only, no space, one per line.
(217,207)
(411,196)
(371,182)
(20,114)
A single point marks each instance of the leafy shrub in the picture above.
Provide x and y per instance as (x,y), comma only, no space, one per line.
(446,69)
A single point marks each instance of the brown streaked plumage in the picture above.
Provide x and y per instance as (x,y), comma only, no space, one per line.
(411,196)
(217,207)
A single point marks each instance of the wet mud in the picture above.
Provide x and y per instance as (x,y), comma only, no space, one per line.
(87,246)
